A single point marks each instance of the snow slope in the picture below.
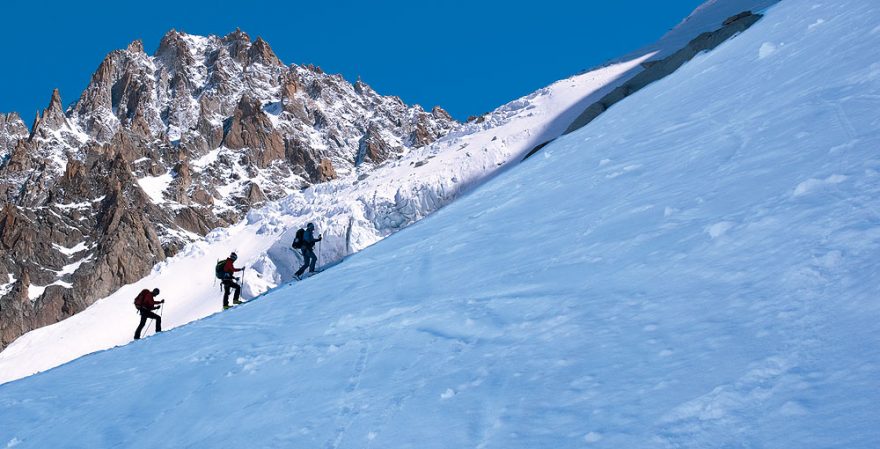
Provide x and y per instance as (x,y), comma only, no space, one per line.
(353,212)
(695,268)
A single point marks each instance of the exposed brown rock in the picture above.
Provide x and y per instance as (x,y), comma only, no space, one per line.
(288,90)
(173,49)
(51,119)
(12,130)
(238,43)
(372,147)
(251,129)
(260,52)
(255,194)
(20,158)
(326,172)
(201,196)
(128,145)
(194,220)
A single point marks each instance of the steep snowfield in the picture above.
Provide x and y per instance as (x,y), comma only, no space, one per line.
(696,268)
(353,212)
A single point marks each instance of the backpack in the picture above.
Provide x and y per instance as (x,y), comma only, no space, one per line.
(139,299)
(218,269)
(298,240)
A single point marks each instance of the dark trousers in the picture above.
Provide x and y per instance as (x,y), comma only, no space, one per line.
(227,285)
(146,315)
(309,259)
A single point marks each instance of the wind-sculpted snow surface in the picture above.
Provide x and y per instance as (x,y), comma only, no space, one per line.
(695,268)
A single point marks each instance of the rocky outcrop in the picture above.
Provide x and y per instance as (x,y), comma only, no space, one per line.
(51,119)
(326,172)
(372,147)
(255,195)
(12,131)
(261,53)
(252,129)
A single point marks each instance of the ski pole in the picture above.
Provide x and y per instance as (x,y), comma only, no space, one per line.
(161,309)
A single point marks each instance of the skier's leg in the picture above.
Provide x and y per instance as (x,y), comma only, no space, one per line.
(158,319)
(314,259)
(305,265)
(137,332)
(237,288)
(226,293)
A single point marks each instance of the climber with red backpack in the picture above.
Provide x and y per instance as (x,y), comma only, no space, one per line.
(225,271)
(146,303)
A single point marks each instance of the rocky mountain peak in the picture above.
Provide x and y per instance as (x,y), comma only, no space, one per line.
(174,52)
(237,44)
(136,46)
(260,52)
(51,119)
(168,41)
(237,36)
(440,113)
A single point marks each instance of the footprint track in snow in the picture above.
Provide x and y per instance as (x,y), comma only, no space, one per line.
(348,411)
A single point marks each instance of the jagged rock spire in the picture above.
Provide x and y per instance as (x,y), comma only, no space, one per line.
(260,52)
(52,117)
(136,46)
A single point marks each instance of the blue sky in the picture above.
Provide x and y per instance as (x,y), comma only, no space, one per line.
(469,57)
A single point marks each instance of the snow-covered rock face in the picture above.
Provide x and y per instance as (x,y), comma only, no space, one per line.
(12,131)
(161,149)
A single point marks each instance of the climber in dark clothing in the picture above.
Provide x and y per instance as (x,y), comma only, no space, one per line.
(145,303)
(308,252)
(229,281)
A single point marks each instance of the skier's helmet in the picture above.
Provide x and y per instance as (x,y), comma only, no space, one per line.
(155,292)
(233,256)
